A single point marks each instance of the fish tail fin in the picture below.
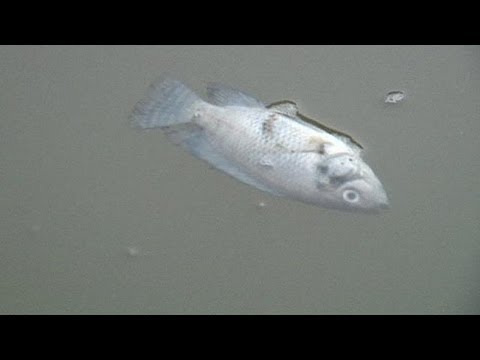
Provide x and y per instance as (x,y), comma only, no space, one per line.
(168,102)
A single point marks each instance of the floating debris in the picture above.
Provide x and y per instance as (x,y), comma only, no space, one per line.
(394,97)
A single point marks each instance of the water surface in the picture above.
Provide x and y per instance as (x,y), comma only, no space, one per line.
(99,218)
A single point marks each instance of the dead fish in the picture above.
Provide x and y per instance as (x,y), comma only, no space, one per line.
(272,148)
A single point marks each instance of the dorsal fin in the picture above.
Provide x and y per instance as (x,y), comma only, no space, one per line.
(284,107)
(290,109)
(341,135)
(223,95)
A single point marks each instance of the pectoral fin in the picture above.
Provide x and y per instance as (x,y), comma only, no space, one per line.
(193,139)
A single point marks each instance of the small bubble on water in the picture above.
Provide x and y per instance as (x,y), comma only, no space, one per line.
(133,251)
(261,204)
(394,97)
(36,228)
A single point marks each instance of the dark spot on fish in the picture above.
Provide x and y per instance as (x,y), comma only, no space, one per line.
(324,178)
(338,180)
(321,149)
(267,125)
(323,169)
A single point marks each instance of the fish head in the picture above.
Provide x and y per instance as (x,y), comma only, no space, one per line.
(346,182)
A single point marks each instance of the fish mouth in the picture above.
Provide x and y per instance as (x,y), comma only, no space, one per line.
(378,204)
(382,202)
(384,205)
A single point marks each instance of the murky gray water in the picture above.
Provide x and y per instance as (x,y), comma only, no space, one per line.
(98,218)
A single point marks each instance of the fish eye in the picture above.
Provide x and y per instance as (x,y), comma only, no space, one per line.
(351,196)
